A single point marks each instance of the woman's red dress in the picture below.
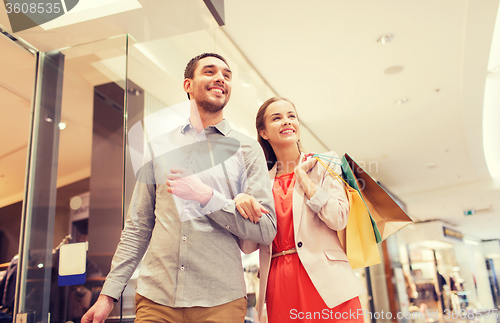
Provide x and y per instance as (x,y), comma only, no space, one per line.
(291,295)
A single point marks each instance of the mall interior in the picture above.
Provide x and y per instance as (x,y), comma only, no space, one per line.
(409,89)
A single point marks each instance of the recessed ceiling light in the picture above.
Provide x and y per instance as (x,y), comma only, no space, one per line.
(402,101)
(393,70)
(385,38)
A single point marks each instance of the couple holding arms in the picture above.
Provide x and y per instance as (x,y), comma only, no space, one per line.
(190,229)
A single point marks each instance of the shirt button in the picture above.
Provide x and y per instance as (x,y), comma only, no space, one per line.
(186,210)
(184,238)
(182,267)
(191,161)
(227,227)
(299,244)
(208,212)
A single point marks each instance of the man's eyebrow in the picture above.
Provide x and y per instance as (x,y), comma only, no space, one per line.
(213,66)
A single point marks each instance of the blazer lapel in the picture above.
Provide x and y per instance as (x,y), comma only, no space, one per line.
(298,199)
(298,204)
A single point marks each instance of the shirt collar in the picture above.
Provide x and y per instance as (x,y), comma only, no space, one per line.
(223,127)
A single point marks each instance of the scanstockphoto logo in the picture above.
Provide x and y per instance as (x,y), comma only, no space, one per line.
(25,14)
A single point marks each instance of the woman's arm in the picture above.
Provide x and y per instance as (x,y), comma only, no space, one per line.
(327,197)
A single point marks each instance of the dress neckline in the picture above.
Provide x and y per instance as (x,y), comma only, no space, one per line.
(281,175)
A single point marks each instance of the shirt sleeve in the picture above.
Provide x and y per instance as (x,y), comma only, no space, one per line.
(135,236)
(255,182)
(318,200)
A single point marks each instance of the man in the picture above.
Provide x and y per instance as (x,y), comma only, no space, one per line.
(189,225)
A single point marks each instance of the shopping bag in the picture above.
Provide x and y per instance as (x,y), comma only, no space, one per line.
(387,216)
(357,238)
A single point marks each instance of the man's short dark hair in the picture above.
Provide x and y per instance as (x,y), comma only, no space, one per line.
(193,63)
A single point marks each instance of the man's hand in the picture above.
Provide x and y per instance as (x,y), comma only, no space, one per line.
(249,207)
(186,185)
(99,312)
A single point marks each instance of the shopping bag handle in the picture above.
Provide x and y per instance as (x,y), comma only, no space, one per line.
(328,158)
(335,175)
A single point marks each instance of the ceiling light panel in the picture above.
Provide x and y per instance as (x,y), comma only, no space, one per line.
(91,9)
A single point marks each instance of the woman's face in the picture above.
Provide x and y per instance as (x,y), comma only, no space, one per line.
(282,125)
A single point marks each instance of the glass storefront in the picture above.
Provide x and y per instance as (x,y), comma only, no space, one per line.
(445,276)
(77,123)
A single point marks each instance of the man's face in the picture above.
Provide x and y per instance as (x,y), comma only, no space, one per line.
(210,86)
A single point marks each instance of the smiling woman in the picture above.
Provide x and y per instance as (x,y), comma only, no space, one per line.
(311,207)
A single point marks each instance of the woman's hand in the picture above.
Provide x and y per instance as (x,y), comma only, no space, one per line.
(249,207)
(307,163)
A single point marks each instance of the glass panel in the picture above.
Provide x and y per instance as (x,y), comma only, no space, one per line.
(17,76)
(35,262)
(83,178)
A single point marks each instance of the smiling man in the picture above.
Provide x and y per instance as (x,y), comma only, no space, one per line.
(187,227)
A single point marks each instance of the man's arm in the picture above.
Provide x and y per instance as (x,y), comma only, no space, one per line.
(256,183)
(135,236)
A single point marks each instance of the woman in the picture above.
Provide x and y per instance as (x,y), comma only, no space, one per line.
(305,274)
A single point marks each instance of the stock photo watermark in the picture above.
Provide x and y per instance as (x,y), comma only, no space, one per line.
(330,314)
(25,14)
(157,149)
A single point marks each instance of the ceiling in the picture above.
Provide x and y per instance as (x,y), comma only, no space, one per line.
(322,55)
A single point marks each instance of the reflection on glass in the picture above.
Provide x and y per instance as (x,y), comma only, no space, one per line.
(85,197)
(17,75)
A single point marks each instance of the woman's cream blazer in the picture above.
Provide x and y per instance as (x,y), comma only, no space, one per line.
(315,223)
